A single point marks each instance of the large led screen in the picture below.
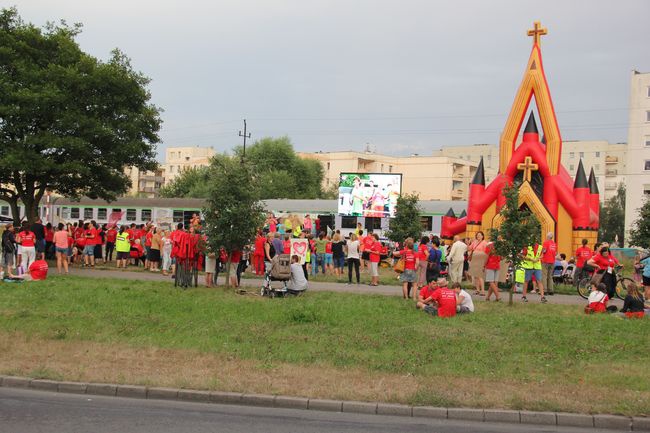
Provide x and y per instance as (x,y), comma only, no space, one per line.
(369,194)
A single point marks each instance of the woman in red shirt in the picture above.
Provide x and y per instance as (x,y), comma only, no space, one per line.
(258,254)
(492,267)
(423,255)
(605,262)
(411,262)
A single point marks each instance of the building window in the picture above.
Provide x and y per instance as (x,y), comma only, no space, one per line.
(646,189)
(597,154)
(145,215)
(178,216)
(647,141)
(426,222)
(74,213)
(647,165)
(648,91)
(328,165)
(571,167)
(4,210)
(572,155)
(647,116)
(390,168)
(131,215)
(582,154)
(101,213)
(382,168)
(89,213)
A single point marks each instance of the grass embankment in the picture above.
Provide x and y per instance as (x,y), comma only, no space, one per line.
(538,357)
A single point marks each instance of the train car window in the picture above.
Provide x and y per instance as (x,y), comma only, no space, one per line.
(373,223)
(145,214)
(74,213)
(426,222)
(89,213)
(348,222)
(131,215)
(101,213)
(4,210)
(178,216)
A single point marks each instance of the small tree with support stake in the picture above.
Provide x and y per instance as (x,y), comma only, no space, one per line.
(406,223)
(233,212)
(519,229)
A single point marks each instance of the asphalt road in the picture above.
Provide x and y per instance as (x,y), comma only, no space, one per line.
(27,411)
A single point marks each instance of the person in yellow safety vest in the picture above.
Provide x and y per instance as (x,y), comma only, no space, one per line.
(122,247)
(532,265)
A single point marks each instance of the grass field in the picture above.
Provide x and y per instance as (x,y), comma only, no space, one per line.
(538,357)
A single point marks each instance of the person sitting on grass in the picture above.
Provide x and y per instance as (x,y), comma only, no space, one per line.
(598,299)
(425,297)
(137,252)
(464,302)
(633,305)
(444,300)
(298,282)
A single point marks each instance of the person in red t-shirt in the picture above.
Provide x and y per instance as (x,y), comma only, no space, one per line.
(444,299)
(38,270)
(286,245)
(235,258)
(258,254)
(423,255)
(492,268)
(90,234)
(425,297)
(411,262)
(375,257)
(549,252)
(583,254)
(605,263)
(27,240)
(111,235)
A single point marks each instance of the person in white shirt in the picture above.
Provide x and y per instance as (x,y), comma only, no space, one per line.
(298,282)
(352,247)
(464,303)
(456,259)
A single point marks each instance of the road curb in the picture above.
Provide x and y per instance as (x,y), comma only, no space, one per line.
(614,422)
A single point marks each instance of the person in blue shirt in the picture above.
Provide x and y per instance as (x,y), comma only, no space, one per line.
(646,276)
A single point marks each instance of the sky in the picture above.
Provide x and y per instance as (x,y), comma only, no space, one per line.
(396,77)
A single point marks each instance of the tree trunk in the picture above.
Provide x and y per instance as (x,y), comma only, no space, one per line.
(227,271)
(15,210)
(512,291)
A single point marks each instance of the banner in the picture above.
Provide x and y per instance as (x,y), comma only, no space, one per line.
(114,218)
(299,247)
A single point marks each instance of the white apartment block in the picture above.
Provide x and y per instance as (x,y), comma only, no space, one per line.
(145,184)
(178,159)
(638,147)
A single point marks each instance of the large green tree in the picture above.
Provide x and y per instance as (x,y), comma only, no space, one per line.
(68,121)
(640,231)
(519,229)
(233,211)
(406,223)
(612,218)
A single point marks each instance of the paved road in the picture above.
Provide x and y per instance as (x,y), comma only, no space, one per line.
(254,284)
(27,411)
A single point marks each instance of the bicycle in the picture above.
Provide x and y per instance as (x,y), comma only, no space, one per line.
(622,283)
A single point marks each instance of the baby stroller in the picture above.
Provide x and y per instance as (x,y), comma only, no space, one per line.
(558,274)
(569,273)
(280,271)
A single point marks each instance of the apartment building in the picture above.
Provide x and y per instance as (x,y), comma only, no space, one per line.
(432,177)
(145,184)
(178,159)
(638,147)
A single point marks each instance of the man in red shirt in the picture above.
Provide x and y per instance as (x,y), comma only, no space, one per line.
(583,254)
(374,256)
(111,235)
(425,298)
(444,301)
(549,251)
(90,234)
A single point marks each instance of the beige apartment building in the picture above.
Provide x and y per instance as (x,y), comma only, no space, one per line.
(432,177)
(608,160)
(638,151)
(178,159)
(144,184)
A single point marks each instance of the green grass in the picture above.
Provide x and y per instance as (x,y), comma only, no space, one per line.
(374,333)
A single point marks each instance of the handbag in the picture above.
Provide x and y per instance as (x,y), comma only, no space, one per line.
(399,266)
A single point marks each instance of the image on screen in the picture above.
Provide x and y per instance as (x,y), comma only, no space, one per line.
(369,194)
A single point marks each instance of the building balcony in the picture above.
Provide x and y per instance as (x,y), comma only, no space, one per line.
(148,178)
(610,186)
(611,160)
(457,194)
(611,172)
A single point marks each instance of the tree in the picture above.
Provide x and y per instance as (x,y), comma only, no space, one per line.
(69,122)
(612,218)
(406,223)
(640,231)
(233,211)
(519,229)
(190,183)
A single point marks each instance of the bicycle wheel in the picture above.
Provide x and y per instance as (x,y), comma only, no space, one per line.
(584,287)
(621,287)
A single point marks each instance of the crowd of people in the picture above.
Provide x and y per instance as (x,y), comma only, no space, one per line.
(422,264)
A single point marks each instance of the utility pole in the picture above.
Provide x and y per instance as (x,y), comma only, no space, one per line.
(245,135)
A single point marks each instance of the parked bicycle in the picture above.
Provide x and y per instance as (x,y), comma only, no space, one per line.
(622,283)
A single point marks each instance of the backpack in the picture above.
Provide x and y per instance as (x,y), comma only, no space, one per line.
(281,267)
(433,264)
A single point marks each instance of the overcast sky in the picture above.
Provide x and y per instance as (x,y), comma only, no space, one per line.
(402,76)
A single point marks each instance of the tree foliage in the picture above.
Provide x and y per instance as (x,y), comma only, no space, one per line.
(612,218)
(640,231)
(406,223)
(190,183)
(519,229)
(233,211)
(68,121)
